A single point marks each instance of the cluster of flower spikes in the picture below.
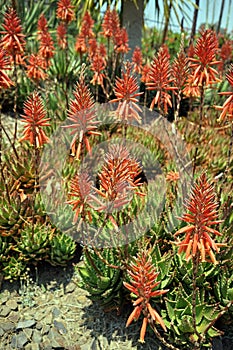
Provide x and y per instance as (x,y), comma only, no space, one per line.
(113,31)
(65,13)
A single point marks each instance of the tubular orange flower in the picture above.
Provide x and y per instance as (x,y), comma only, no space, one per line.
(102,50)
(35,68)
(117,182)
(93,47)
(172,176)
(137,60)
(5,81)
(126,95)
(121,41)
(107,24)
(145,73)
(34,117)
(61,36)
(80,45)
(119,176)
(65,11)
(111,23)
(227,108)
(42,26)
(191,89)
(86,33)
(205,50)
(180,69)
(143,284)
(160,80)
(115,23)
(13,41)
(81,188)
(82,116)
(202,207)
(226,54)
(46,49)
(87,26)
(98,64)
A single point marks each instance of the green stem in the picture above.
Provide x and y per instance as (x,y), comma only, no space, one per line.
(227,169)
(199,129)
(10,141)
(15,100)
(0,135)
(195,263)
(91,261)
(6,187)
(163,341)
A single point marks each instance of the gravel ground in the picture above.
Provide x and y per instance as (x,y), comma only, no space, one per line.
(49,311)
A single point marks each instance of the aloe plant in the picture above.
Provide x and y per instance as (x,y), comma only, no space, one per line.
(62,249)
(179,317)
(103,282)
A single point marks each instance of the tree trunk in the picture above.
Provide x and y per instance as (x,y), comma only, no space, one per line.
(167,20)
(220,16)
(132,20)
(193,31)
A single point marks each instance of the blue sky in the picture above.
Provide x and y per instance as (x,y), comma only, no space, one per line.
(208,12)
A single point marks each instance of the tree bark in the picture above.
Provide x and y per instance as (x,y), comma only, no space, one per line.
(194,25)
(220,16)
(167,20)
(132,20)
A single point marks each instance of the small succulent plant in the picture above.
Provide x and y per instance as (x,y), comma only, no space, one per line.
(33,242)
(103,282)
(62,249)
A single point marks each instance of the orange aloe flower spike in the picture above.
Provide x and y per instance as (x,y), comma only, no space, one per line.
(34,117)
(202,213)
(5,81)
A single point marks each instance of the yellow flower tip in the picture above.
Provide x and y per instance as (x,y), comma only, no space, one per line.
(142,341)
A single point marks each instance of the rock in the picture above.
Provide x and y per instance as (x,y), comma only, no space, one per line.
(12,304)
(56,312)
(39,326)
(60,327)
(45,329)
(48,319)
(36,337)
(21,340)
(4,297)
(14,316)
(25,324)
(55,337)
(46,344)
(70,287)
(5,311)
(14,342)
(28,333)
(7,326)
(39,315)
(32,347)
